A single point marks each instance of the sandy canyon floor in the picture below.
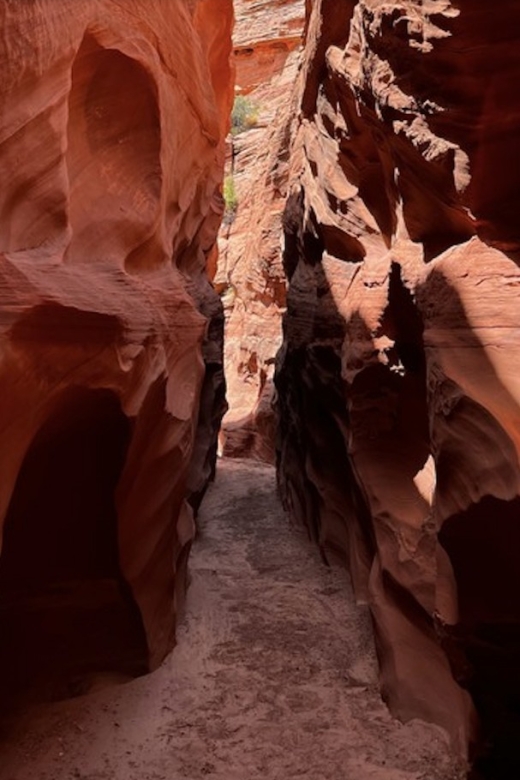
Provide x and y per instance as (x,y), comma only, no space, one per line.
(274,675)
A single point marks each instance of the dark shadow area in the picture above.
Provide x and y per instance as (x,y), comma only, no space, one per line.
(403,323)
(483,544)
(476,458)
(66,614)
(213,404)
(315,476)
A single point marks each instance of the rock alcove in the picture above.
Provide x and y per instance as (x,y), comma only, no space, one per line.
(64,603)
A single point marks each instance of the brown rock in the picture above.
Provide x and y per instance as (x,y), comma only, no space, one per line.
(111,152)
(398,384)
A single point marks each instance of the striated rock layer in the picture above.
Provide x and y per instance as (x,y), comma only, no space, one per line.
(250,276)
(112,121)
(398,381)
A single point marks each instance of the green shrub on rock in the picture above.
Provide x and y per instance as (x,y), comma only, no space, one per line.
(230,199)
(244,115)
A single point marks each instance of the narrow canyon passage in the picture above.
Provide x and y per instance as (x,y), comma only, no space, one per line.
(274,675)
(281,230)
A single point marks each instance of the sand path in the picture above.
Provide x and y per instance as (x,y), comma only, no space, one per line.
(273,677)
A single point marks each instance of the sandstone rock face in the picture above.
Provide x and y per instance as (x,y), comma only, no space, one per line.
(250,276)
(399,375)
(112,125)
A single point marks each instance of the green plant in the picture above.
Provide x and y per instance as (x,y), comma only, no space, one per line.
(244,115)
(230,198)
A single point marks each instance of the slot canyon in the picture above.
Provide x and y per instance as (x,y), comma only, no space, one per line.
(260,384)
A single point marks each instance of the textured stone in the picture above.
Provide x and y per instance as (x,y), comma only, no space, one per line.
(250,276)
(398,377)
(112,122)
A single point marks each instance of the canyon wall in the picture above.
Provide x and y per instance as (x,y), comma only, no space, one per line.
(399,375)
(250,276)
(112,126)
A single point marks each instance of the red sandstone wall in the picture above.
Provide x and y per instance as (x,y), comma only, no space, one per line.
(399,376)
(250,277)
(112,125)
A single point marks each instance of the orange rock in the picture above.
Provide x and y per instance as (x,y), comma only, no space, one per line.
(250,276)
(112,126)
(397,381)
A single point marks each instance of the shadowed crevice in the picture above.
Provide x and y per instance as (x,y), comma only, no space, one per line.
(66,613)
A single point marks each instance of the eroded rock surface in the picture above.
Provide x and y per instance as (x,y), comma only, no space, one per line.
(113,117)
(250,276)
(399,376)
